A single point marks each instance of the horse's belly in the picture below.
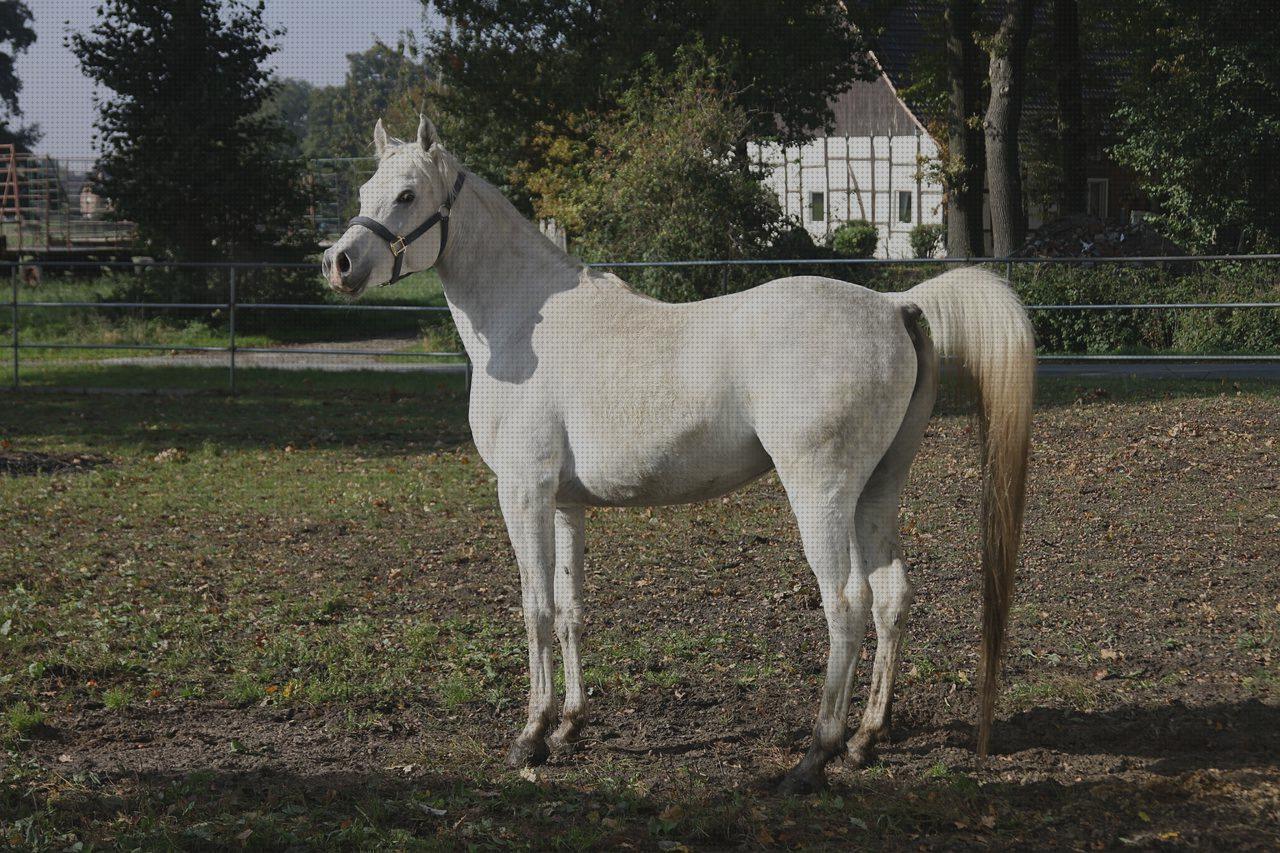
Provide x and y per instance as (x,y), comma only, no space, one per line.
(646,472)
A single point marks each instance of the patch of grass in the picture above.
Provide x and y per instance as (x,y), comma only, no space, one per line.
(116,699)
(21,719)
(937,771)
(457,689)
(1076,692)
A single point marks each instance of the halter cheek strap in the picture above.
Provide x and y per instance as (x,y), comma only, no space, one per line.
(400,244)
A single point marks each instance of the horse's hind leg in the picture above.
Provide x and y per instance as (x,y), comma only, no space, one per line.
(568,609)
(891,595)
(876,526)
(823,496)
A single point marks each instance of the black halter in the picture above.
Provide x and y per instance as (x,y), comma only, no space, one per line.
(399,245)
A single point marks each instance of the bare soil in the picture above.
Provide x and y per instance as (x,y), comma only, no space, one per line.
(18,463)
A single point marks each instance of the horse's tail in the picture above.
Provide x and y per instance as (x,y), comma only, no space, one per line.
(976,320)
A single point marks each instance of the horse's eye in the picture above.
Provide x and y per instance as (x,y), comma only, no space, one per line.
(405,197)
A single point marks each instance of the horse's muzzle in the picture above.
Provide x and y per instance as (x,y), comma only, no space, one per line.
(344,274)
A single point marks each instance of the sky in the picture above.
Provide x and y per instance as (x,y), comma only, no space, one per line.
(320,33)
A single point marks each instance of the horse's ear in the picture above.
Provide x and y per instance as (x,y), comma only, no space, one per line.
(379,138)
(427,135)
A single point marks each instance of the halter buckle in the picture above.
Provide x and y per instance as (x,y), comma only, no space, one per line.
(397,246)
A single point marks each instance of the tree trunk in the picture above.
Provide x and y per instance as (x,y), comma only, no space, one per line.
(1007,73)
(1071,139)
(741,156)
(965,165)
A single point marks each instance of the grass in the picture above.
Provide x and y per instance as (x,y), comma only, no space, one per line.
(301,629)
(21,719)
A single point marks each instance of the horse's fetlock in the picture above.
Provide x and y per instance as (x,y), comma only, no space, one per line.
(830,738)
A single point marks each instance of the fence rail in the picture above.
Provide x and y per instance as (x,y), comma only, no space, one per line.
(236,307)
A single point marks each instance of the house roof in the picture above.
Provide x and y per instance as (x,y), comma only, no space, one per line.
(872,109)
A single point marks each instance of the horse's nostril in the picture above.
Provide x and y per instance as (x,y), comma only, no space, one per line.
(344,263)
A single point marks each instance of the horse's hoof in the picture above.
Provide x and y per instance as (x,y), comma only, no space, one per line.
(860,758)
(564,740)
(527,753)
(798,784)
(861,752)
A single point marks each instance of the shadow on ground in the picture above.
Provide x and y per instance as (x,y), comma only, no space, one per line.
(1051,769)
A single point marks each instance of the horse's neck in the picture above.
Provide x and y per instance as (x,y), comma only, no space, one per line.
(498,271)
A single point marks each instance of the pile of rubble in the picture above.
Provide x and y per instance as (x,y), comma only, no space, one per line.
(1087,237)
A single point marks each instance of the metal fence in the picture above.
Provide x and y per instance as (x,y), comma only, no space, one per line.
(238,308)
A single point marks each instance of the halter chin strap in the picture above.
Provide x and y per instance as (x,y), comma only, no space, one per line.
(400,244)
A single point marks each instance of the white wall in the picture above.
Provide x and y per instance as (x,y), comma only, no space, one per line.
(860,178)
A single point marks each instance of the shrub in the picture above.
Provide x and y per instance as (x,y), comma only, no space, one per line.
(795,241)
(659,181)
(926,238)
(856,238)
(270,284)
(1189,330)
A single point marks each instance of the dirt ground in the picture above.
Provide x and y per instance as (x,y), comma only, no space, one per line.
(1142,699)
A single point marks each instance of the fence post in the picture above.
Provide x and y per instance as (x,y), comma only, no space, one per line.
(13,281)
(1008,272)
(231,307)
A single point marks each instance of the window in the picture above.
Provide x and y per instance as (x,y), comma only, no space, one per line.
(817,207)
(904,207)
(1098,191)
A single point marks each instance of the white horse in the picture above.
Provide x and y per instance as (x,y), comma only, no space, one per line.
(587,393)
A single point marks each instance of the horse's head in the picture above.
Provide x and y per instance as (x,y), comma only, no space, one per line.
(403,221)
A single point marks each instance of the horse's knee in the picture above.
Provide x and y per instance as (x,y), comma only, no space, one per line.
(539,624)
(568,622)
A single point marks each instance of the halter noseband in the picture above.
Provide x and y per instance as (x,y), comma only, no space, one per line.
(400,244)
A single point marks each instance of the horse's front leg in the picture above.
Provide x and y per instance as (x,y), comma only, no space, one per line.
(570,524)
(528,506)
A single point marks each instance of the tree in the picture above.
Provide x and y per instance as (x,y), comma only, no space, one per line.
(658,180)
(518,69)
(1006,75)
(1200,122)
(383,82)
(16,36)
(1070,86)
(290,103)
(964,169)
(188,150)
